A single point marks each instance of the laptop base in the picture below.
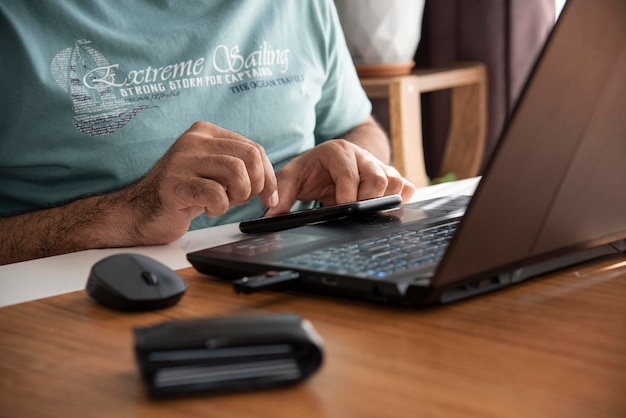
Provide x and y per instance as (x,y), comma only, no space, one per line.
(485,285)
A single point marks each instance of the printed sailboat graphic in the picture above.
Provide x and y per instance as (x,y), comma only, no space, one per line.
(82,71)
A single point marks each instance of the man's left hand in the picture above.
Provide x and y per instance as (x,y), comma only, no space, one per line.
(337,171)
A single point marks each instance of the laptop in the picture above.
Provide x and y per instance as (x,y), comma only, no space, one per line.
(551,196)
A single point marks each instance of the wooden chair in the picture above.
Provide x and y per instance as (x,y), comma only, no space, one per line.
(465,145)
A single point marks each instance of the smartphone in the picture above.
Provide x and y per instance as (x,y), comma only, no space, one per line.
(311,216)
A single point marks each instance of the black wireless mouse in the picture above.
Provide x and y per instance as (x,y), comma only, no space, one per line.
(134,282)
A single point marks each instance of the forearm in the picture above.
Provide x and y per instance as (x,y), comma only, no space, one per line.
(370,136)
(93,222)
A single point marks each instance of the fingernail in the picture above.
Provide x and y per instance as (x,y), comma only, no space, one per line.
(274,199)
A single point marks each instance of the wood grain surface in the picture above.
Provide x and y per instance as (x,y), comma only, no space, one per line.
(551,347)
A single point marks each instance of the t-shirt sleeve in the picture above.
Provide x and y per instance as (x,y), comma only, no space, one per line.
(343,104)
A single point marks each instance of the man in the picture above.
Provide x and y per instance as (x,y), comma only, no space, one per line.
(127,123)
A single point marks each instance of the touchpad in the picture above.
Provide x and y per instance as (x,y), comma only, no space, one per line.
(261,245)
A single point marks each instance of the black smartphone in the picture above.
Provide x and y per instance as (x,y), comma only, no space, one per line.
(311,216)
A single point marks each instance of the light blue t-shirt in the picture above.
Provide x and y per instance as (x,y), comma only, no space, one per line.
(95,92)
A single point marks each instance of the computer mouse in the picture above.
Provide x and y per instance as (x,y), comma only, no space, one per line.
(134,282)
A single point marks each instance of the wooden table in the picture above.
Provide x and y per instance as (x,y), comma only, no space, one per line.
(551,347)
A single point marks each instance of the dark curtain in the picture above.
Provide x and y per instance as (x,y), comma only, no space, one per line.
(506,35)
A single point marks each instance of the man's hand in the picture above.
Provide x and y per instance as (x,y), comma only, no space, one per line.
(208,169)
(337,171)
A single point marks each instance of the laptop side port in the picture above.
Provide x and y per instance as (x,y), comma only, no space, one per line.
(377,295)
(329,281)
(473,288)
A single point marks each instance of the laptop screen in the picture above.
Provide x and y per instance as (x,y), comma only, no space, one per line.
(555,182)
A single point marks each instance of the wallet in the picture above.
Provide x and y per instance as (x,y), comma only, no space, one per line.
(226,354)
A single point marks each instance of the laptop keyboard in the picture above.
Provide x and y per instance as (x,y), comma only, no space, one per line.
(378,257)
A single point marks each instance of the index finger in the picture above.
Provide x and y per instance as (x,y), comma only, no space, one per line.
(269,194)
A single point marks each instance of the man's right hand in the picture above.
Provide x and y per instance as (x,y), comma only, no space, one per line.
(208,169)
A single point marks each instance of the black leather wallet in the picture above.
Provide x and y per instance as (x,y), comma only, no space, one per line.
(224,354)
